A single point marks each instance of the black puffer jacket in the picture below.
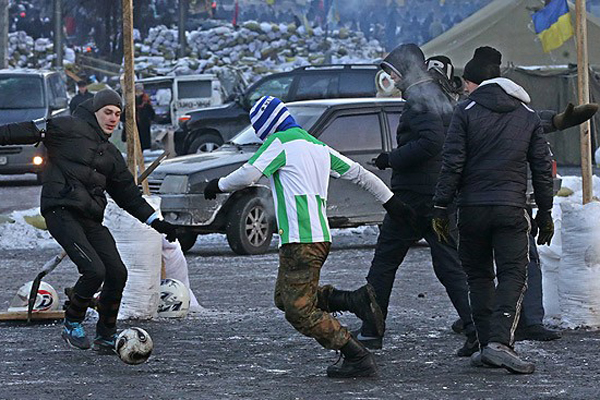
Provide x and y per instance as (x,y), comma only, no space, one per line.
(491,138)
(82,164)
(417,161)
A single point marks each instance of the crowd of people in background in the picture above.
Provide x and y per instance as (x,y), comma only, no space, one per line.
(389,21)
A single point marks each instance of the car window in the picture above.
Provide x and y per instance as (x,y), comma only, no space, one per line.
(13,87)
(194,89)
(304,116)
(278,87)
(393,120)
(316,86)
(353,132)
(357,84)
(57,86)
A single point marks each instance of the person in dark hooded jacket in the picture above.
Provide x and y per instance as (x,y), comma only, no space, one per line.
(299,167)
(416,163)
(492,139)
(81,166)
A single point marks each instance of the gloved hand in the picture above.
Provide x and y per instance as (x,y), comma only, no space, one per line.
(400,211)
(574,115)
(441,223)
(545,225)
(162,226)
(211,190)
(383,161)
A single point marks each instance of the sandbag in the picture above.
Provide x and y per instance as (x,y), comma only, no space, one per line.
(140,247)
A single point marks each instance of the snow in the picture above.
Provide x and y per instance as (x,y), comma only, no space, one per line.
(21,235)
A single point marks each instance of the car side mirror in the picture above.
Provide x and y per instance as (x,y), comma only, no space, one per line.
(59,103)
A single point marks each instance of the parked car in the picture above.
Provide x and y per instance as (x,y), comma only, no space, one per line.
(27,95)
(206,129)
(358,128)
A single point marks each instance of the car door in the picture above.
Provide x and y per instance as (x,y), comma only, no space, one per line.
(57,96)
(360,135)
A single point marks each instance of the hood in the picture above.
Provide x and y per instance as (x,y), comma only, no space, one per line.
(407,61)
(270,115)
(500,95)
(10,115)
(85,111)
(204,162)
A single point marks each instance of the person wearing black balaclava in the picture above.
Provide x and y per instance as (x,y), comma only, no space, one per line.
(81,166)
(492,139)
(416,163)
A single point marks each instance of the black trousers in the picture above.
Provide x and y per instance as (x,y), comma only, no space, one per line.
(533,304)
(500,234)
(393,244)
(92,249)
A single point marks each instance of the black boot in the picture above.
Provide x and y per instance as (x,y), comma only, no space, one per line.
(358,362)
(361,302)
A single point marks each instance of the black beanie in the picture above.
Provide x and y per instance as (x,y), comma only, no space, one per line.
(484,65)
(106,97)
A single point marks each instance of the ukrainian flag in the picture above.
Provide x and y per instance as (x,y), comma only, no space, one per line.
(553,24)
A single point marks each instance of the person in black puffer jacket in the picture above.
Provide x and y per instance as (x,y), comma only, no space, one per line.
(416,163)
(81,166)
(492,138)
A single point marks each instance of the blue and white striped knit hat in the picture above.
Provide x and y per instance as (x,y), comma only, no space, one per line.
(270,115)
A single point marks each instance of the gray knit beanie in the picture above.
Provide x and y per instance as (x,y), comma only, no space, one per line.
(107,97)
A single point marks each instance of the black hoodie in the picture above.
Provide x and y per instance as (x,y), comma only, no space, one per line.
(81,166)
(492,138)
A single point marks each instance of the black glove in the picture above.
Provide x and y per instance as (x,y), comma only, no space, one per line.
(211,190)
(574,115)
(441,223)
(400,211)
(545,225)
(382,161)
(162,226)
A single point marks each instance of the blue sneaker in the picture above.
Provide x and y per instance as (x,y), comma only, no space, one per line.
(74,335)
(105,345)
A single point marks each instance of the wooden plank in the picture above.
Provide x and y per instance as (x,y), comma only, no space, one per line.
(22,316)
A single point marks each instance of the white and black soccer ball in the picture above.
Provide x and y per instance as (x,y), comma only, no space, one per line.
(134,346)
(174,299)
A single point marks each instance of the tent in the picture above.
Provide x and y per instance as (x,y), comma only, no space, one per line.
(507,26)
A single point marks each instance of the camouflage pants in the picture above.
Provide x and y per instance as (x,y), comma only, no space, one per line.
(297,293)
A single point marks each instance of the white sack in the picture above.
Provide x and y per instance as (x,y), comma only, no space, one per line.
(176,267)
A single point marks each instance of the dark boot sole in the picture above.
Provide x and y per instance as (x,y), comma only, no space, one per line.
(365,374)
(376,310)
(494,360)
(103,350)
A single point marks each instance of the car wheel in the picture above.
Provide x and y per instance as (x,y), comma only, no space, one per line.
(205,144)
(187,241)
(249,226)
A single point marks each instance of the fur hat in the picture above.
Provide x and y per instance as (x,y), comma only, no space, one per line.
(484,65)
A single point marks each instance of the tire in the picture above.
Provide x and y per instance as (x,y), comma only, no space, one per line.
(250,226)
(187,241)
(205,144)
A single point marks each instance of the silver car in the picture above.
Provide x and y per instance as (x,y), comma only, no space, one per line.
(358,128)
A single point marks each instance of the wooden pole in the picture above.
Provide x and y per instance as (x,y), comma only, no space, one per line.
(4,21)
(583,90)
(135,159)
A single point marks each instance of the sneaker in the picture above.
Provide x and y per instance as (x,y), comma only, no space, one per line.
(458,326)
(471,346)
(370,342)
(105,345)
(74,334)
(477,362)
(537,332)
(500,355)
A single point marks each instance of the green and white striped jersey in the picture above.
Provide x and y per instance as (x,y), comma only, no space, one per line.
(299,167)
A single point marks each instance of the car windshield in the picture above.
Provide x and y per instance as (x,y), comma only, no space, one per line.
(305,116)
(13,87)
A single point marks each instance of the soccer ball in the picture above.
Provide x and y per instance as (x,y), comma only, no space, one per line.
(174,299)
(134,346)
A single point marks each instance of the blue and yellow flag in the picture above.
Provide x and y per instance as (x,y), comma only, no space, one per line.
(553,24)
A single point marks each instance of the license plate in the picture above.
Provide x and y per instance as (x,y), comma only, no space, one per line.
(3,160)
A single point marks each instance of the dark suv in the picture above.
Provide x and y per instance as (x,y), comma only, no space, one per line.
(27,95)
(206,129)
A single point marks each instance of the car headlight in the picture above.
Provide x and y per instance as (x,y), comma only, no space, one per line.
(174,184)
